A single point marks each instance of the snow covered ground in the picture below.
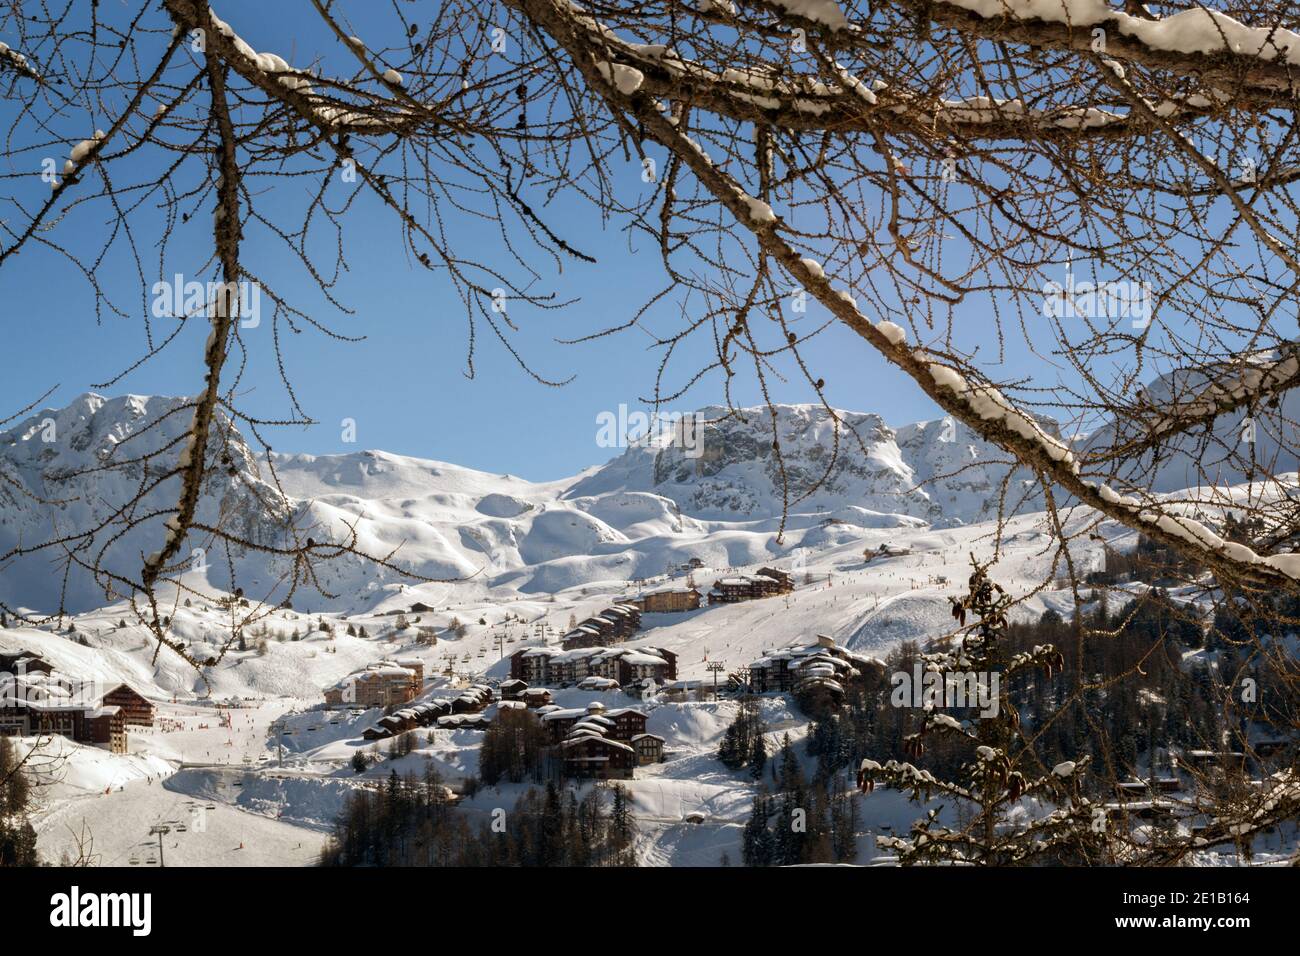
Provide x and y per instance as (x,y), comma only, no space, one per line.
(532,557)
(240,806)
(188,778)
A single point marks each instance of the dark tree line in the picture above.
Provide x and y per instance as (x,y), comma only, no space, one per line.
(1156,696)
(414,821)
(1128,690)
(797,821)
(515,748)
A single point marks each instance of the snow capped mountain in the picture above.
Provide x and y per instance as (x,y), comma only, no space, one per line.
(1239,446)
(69,471)
(648,510)
(857,468)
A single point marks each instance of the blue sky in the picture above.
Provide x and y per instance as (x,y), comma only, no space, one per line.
(404,385)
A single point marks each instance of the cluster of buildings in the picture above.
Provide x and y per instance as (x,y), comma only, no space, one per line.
(599,743)
(765,583)
(518,691)
(822,664)
(1168,801)
(383,684)
(562,668)
(457,713)
(36,700)
(589,742)
(615,624)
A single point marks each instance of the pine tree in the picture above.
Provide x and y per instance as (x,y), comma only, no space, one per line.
(756,843)
(789,776)
(737,747)
(843,827)
(621,827)
(758,758)
(17,838)
(729,751)
(991,781)
(551,842)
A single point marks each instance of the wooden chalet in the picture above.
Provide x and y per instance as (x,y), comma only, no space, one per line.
(618,723)
(560,668)
(822,664)
(670,600)
(591,756)
(454,713)
(649,748)
(512,689)
(615,624)
(1139,789)
(136,708)
(767,582)
(36,703)
(24,662)
(384,684)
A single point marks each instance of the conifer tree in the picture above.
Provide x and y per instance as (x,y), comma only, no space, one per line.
(997,776)
(621,820)
(758,758)
(738,742)
(17,838)
(756,847)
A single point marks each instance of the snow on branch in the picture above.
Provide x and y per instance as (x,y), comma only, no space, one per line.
(1256,63)
(18,62)
(1256,380)
(320,101)
(849,103)
(981,406)
(1196,30)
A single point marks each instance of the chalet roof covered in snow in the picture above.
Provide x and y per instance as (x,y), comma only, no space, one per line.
(585,737)
(378,669)
(821,653)
(636,655)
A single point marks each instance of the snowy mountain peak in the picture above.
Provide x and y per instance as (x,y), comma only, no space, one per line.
(938,471)
(651,508)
